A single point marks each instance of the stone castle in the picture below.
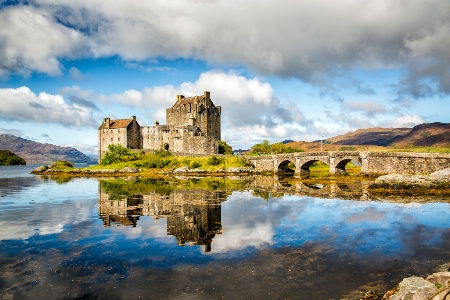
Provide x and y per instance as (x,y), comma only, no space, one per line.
(193,126)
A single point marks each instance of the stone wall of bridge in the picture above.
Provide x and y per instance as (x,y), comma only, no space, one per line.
(372,163)
(383,163)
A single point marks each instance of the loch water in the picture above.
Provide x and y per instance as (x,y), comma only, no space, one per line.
(212,238)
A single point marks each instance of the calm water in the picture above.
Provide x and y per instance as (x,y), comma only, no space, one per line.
(87,238)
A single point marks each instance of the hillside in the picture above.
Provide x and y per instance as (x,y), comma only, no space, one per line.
(38,153)
(378,139)
(428,135)
(432,134)
(370,136)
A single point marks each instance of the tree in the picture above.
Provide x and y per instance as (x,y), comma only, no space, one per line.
(8,158)
(224,148)
(266,148)
(117,153)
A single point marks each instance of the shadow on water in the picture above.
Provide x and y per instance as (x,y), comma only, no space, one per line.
(245,237)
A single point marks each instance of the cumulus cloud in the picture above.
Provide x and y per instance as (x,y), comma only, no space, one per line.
(31,40)
(407,121)
(315,41)
(369,108)
(238,95)
(23,105)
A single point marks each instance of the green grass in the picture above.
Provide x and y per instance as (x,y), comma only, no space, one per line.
(164,160)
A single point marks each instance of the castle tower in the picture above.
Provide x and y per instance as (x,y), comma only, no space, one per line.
(197,111)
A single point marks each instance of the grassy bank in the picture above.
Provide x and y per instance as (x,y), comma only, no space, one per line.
(164,161)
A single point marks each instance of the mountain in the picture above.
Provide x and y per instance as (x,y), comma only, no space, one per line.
(370,136)
(38,153)
(428,134)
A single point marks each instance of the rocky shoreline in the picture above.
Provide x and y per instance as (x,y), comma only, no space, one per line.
(433,287)
(436,179)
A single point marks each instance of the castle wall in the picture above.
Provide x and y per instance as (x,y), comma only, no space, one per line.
(193,126)
(155,137)
(133,135)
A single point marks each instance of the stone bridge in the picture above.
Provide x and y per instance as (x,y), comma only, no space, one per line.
(371,163)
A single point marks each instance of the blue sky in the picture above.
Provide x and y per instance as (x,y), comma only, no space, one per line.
(280,70)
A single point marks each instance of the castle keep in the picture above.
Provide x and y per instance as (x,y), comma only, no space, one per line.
(193,126)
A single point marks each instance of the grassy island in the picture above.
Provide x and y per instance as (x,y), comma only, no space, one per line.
(119,160)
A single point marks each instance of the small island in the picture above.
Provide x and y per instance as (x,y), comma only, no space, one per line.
(7,158)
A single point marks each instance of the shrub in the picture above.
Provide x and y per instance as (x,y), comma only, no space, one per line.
(214,161)
(61,164)
(224,148)
(118,153)
(195,165)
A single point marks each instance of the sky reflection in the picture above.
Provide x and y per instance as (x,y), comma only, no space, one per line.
(88,223)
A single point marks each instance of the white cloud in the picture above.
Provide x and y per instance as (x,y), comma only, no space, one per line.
(23,105)
(369,108)
(238,96)
(408,121)
(31,40)
(310,40)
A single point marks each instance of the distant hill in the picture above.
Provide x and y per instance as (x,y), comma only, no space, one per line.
(423,135)
(428,134)
(39,153)
(370,136)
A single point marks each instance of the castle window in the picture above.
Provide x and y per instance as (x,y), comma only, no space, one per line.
(118,139)
(111,139)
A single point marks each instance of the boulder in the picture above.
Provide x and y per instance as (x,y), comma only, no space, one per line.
(40,169)
(184,169)
(414,288)
(129,170)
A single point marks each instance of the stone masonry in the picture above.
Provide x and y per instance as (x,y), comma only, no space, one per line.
(372,163)
(193,126)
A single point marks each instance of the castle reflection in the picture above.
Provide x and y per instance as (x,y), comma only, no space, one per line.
(193,214)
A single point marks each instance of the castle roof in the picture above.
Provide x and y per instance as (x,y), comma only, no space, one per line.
(187,100)
(114,124)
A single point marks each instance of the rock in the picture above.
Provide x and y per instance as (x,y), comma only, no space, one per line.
(40,169)
(415,288)
(443,268)
(129,170)
(441,278)
(184,169)
(442,174)
(434,179)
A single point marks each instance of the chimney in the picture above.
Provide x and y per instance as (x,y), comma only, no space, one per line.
(207,98)
(107,121)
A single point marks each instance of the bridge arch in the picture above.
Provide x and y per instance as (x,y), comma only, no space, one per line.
(305,165)
(341,164)
(286,166)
